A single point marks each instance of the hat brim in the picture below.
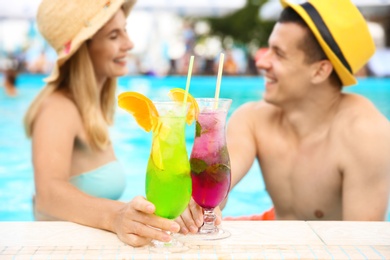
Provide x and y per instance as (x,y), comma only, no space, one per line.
(345,76)
(87,32)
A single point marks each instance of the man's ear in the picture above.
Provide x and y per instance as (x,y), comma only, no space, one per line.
(321,71)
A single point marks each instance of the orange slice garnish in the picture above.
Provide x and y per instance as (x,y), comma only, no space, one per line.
(177,94)
(141,107)
(146,115)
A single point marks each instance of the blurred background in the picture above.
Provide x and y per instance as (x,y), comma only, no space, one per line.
(166,32)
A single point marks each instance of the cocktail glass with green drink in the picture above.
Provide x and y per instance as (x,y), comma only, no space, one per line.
(168,179)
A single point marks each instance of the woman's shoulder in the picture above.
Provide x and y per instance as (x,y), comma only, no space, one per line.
(58,101)
(59,108)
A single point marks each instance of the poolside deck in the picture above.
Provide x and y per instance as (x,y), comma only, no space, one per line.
(249,240)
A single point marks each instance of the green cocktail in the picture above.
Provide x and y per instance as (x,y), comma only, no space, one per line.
(168,174)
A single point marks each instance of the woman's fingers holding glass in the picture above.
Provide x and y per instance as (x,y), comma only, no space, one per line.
(139,234)
(139,203)
(134,240)
(140,210)
(162,223)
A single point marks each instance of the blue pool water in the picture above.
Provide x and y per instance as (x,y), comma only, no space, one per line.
(132,144)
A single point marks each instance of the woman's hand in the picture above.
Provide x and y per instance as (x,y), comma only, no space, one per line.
(136,224)
(192,218)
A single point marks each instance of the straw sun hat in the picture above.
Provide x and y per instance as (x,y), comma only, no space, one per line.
(342,33)
(66,24)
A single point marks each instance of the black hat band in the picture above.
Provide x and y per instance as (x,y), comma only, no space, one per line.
(325,33)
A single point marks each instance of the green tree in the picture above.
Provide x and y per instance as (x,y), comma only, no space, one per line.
(244,26)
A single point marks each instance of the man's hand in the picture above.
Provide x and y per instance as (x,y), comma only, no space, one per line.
(192,218)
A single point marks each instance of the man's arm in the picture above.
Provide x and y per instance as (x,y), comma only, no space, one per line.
(366,173)
(241,142)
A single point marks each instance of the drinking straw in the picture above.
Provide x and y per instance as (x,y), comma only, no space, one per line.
(220,69)
(188,79)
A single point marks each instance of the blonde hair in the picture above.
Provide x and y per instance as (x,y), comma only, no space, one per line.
(77,79)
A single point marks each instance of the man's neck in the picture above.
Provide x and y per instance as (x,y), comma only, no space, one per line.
(312,115)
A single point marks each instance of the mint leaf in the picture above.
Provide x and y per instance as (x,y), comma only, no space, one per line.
(197,165)
(219,172)
(198,129)
(218,169)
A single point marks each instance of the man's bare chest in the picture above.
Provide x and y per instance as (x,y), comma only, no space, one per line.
(304,179)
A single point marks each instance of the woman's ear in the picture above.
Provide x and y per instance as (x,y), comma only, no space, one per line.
(321,71)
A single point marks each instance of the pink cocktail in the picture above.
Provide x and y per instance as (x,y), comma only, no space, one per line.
(210,164)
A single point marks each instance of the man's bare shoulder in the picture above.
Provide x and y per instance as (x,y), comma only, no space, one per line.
(360,124)
(359,115)
(257,109)
(252,116)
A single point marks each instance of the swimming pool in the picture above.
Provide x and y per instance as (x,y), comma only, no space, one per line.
(132,144)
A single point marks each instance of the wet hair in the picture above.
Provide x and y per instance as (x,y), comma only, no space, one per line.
(77,80)
(309,44)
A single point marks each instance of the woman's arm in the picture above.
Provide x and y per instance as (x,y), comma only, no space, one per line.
(54,133)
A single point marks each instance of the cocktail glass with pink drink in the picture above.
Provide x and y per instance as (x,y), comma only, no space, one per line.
(210,163)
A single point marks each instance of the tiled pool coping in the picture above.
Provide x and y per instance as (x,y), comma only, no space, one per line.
(249,240)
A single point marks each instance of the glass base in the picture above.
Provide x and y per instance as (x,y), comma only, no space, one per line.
(173,246)
(203,236)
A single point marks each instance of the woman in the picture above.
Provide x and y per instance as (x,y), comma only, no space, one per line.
(77,177)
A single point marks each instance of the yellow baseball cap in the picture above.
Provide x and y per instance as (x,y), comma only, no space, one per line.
(341,31)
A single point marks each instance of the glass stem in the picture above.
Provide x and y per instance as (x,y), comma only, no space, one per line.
(208,223)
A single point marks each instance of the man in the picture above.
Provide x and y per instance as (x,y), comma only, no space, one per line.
(324,155)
